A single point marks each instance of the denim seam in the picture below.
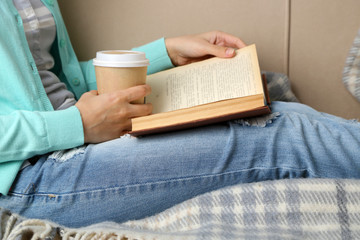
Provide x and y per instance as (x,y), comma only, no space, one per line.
(155,182)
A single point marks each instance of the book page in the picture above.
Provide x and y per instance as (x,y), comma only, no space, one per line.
(204,82)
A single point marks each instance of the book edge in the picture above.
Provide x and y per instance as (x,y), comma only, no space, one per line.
(257,102)
(203,122)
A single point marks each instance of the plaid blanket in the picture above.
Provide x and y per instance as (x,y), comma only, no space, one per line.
(279,87)
(282,209)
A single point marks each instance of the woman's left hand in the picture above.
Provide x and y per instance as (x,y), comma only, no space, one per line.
(193,48)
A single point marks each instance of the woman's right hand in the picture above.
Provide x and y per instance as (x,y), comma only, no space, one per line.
(108,116)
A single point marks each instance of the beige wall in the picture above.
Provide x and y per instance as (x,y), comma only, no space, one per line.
(322,32)
(308,40)
(112,24)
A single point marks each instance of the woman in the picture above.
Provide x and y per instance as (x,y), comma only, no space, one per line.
(61,157)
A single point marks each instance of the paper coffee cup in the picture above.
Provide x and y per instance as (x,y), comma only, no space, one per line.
(120,69)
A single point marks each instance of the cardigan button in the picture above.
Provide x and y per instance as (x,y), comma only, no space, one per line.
(62,43)
(76,82)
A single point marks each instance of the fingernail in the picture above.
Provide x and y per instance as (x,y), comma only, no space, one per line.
(230,52)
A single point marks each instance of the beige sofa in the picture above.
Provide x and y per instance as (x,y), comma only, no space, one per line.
(307,40)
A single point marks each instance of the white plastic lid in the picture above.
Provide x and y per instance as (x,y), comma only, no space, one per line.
(120,58)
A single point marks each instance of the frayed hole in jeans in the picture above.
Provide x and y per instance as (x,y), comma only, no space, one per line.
(261,121)
(65,155)
(127,136)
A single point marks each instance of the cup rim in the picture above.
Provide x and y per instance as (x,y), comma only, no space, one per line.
(120,58)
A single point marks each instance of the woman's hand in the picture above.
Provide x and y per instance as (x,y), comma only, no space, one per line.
(108,116)
(193,48)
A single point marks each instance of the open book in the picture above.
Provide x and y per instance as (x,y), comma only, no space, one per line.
(205,92)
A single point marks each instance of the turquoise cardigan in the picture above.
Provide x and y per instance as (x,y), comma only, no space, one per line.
(29,126)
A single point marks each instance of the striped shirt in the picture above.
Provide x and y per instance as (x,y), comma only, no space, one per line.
(40,31)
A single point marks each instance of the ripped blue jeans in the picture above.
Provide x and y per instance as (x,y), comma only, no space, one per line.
(131,178)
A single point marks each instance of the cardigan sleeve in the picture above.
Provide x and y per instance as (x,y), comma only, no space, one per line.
(25,134)
(157,54)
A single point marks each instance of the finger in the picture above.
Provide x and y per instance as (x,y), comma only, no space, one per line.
(193,60)
(232,41)
(227,40)
(137,92)
(223,44)
(220,51)
(139,110)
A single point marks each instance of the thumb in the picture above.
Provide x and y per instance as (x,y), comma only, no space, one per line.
(221,51)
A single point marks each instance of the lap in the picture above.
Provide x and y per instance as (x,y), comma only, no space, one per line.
(133,177)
